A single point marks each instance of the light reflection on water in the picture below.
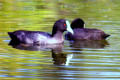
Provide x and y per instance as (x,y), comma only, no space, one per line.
(80,60)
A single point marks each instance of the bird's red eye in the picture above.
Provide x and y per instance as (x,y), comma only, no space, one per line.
(64,24)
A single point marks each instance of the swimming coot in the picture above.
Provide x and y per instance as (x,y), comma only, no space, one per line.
(82,33)
(38,37)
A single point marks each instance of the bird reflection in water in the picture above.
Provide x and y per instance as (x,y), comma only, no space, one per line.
(59,58)
(89,44)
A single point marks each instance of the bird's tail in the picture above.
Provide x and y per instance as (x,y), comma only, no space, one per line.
(106,35)
(10,34)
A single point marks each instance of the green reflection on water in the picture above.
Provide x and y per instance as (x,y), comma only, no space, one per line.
(88,62)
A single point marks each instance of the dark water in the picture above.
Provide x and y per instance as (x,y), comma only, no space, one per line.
(83,60)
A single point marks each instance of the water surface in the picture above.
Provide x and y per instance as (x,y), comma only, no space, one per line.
(83,60)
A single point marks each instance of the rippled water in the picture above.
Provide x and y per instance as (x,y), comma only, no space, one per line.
(83,60)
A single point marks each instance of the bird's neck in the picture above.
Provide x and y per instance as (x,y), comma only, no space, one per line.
(58,36)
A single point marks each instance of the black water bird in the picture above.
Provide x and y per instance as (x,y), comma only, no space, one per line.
(38,37)
(82,33)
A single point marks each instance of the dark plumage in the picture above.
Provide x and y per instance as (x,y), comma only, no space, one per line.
(77,23)
(38,37)
(81,33)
